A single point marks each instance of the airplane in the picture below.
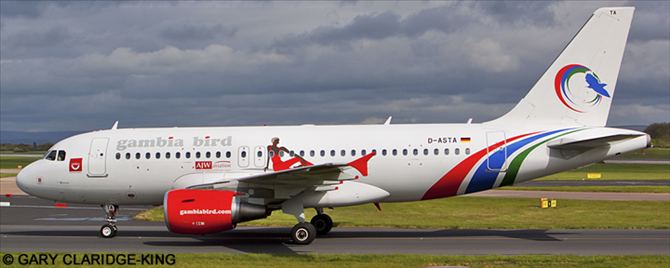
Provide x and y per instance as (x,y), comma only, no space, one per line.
(209,179)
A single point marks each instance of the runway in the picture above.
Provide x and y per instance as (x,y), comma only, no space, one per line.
(34,225)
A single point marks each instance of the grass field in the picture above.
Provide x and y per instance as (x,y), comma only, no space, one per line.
(14,161)
(616,172)
(487,213)
(194,260)
(597,189)
(649,153)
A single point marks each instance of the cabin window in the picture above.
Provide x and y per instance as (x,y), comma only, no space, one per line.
(384,152)
(363,152)
(208,154)
(228,154)
(332,152)
(291,153)
(425,151)
(158,155)
(374,150)
(244,154)
(197,155)
(218,154)
(353,152)
(395,152)
(118,156)
(138,155)
(302,153)
(343,153)
(51,155)
(404,151)
(272,154)
(415,151)
(167,155)
(323,153)
(61,155)
(127,155)
(446,151)
(311,153)
(187,155)
(436,151)
(177,155)
(467,151)
(147,155)
(259,154)
(457,151)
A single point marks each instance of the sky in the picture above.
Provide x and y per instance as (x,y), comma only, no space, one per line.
(81,66)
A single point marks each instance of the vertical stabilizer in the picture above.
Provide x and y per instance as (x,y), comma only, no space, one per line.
(578,87)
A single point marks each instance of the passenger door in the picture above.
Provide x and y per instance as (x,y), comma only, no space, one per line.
(97,156)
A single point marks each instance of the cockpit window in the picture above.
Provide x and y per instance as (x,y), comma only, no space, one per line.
(51,155)
(61,155)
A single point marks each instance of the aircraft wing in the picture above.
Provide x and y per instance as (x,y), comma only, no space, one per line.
(586,144)
(301,177)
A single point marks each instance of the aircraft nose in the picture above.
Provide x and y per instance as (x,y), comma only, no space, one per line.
(23,179)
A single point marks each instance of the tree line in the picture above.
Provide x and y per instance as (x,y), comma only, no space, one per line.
(660,134)
(25,147)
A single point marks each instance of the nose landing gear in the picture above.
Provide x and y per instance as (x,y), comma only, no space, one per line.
(109,230)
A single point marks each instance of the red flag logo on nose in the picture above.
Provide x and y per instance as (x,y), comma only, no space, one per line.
(75,164)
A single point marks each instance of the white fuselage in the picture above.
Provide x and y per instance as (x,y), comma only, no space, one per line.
(138,166)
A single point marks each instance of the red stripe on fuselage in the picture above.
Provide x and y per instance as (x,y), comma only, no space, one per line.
(448,185)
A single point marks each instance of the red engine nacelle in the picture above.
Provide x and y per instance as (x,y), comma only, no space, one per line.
(207,211)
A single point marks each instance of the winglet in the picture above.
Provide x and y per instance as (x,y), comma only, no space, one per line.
(361,164)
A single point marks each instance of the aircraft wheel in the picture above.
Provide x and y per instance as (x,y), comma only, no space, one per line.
(108,231)
(303,233)
(322,223)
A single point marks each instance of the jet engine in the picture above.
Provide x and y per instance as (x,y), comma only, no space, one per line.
(207,211)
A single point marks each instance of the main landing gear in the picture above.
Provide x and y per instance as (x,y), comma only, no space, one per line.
(322,222)
(109,230)
(304,233)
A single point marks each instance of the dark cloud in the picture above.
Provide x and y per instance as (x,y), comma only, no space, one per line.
(372,27)
(445,19)
(190,32)
(52,36)
(652,21)
(220,63)
(536,13)
(27,9)
(442,19)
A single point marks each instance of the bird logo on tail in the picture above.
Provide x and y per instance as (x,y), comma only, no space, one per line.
(574,92)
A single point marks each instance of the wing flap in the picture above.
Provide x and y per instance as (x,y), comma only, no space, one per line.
(300,177)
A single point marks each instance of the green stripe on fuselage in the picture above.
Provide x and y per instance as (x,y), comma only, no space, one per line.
(514,167)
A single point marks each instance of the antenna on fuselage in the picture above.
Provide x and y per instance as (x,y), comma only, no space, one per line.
(388,121)
(115,125)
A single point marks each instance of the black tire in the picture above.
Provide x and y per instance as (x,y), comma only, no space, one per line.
(108,231)
(303,233)
(322,223)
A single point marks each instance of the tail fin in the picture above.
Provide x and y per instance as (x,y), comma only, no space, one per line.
(578,87)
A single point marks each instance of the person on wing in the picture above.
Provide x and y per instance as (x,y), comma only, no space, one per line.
(277,163)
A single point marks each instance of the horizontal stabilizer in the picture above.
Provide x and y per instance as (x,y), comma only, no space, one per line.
(567,144)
